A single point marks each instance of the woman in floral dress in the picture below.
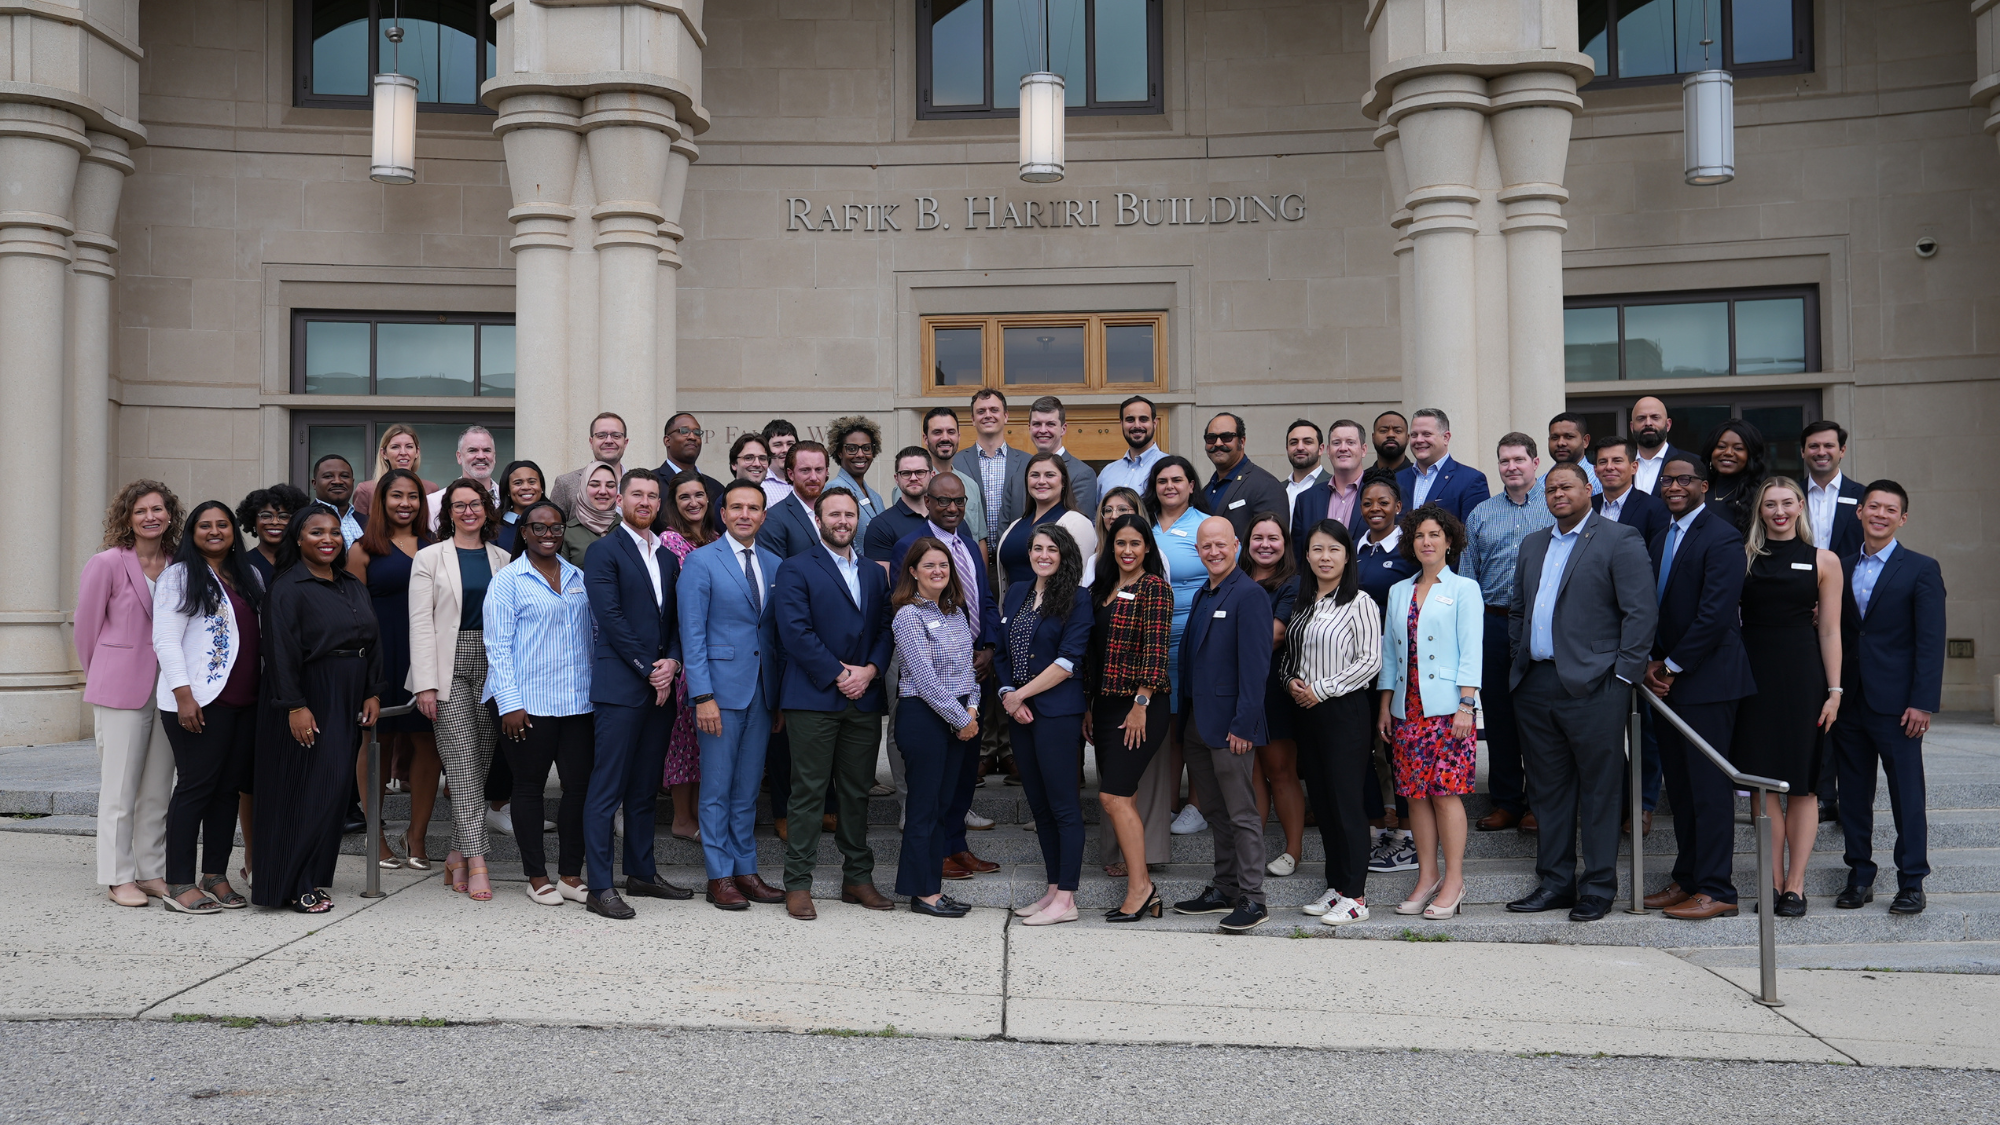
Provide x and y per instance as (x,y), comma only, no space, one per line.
(686,526)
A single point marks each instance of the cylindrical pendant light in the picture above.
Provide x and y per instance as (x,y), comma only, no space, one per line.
(1042,127)
(395,148)
(1708,106)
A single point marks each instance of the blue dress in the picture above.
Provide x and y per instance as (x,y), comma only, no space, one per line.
(389,587)
(1183,562)
(1013,552)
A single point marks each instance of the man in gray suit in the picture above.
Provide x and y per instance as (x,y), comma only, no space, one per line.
(1048,424)
(1000,469)
(1580,625)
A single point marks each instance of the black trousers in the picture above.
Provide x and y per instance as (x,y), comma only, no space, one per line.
(569,742)
(1335,762)
(1505,771)
(207,769)
(1575,753)
(1860,739)
(933,757)
(1704,802)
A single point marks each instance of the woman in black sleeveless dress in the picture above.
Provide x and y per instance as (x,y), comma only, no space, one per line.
(1791,629)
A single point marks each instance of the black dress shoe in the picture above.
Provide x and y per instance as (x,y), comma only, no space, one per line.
(1542,899)
(1827,812)
(943,908)
(955,904)
(1909,900)
(1853,898)
(1790,905)
(640,888)
(1209,901)
(609,905)
(1247,916)
(1589,908)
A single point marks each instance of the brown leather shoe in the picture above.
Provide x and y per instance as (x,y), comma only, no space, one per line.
(1528,823)
(778,829)
(756,889)
(829,823)
(799,904)
(1497,820)
(1646,822)
(973,863)
(725,896)
(1670,895)
(865,894)
(1701,907)
(953,871)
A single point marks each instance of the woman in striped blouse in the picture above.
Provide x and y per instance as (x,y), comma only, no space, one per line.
(934,637)
(1333,652)
(538,658)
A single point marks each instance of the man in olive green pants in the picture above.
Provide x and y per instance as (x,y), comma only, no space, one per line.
(832,611)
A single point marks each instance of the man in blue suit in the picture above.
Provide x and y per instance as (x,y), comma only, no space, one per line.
(789,527)
(729,641)
(832,609)
(630,579)
(1623,502)
(1833,499)
(1225,660)
(1891,678)
(1433,477)
(1700,668)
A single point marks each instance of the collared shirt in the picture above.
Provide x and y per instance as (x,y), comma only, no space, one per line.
(1340,507)
(1868,571)
(1130,471)
(1219,481)
(849,568)
(1646,470)
(736,549)
(537,641)
(961,565)
(1334,648)
(1596,487)
(992,485)
(1613,507)
(350,527)
(869,501)
(1425,479)
(1822,508)
(775,490)
(1541,627)
(1293,488)
(975,505)
(936,648)
(1493,533)
(647,543)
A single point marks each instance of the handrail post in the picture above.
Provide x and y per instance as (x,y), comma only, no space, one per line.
(1767,923)
(372,801)
(1635,759)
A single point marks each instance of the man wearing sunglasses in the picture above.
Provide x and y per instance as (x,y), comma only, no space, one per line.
(1240,488)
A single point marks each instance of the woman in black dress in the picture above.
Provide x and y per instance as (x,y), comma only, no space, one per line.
(262,516)
(1791,629)
(1125,671)
(1736,466)
(322,685)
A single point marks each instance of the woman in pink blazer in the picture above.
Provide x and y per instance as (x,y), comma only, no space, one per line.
(114,643)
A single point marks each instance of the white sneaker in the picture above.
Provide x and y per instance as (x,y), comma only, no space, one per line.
(1189,822)
(1282,866)
(1342,911)
(1319,905)
(500,821)
(976,822)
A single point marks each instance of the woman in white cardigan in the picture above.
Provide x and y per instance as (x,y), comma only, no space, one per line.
(206,637)
(448,582)
(1050,500)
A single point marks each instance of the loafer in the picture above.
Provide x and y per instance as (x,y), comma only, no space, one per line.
(939,909)
(1542,899)
(1701,908)
(609,905)
(1853,898)
(1282,866)
(1589,908)
(953,871)
(1790,905)
(1909,900)
(973,863)
(756,889)
(723,895)
(1209,901)
(799,904)
(865,894)
(641,888)
(1497,820)
(1669,895)
(1247,916)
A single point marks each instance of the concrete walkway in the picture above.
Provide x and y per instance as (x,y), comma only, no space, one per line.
(424,954)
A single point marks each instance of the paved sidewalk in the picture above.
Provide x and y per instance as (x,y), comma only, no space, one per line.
(423,953)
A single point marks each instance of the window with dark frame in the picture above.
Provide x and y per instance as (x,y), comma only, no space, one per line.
(971,55)
(338,46)
(1691,334)
(356,435)
(1778,415)
(436,355)
(1648,42)
(1081,353)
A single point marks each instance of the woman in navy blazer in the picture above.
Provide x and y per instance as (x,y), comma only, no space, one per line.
(1044,630)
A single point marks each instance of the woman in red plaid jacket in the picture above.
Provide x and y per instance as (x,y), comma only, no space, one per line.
(1126,675)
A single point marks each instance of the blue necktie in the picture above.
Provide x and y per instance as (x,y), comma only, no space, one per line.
(1667,561)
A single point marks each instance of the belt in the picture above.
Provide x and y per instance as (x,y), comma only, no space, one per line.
(1497,610)
(357,653)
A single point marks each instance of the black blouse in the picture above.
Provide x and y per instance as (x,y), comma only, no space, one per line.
(306,618)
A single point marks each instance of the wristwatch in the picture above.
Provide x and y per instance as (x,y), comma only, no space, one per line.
(1141,699)
(705,697)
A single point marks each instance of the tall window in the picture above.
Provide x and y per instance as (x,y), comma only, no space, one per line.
(448,47)
(435,355)
(1641,42)
(356,434)
(1691,335)
(971,55)
(1102,353)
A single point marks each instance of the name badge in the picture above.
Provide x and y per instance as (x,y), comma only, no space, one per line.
(1003,621)
(933,624)
(1222,613)
(574,590)
(1177,531)
(1444,600)
(1849,500)
(1238,504)
(1802,566)
(1128,595)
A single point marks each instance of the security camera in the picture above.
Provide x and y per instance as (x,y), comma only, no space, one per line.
(1927,247)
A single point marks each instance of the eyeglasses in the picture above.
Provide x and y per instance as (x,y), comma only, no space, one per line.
(1221,438)
(912,474)
(679,431)
(753,459)
(1685,480)
(864,447)
(545,530)
(467,506)
(609,435)
(946,501)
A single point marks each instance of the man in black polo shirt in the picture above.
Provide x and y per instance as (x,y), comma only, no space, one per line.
(907,514)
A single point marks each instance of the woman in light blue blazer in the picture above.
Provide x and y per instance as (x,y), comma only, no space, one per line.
(1431,657)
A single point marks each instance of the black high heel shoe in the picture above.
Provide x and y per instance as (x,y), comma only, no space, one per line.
(1152,906)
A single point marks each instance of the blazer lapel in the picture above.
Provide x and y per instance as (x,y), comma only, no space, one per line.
(137,576)
(1882,580)
(1585,533)
(735,567)
(826,563)
(453,595)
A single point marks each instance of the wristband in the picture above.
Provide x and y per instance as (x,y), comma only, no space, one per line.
(706,697)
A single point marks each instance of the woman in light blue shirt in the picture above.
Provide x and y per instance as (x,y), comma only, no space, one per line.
(1173,498)
(1431,661)
(538,657)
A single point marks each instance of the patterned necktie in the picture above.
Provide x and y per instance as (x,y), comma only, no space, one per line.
(750,579)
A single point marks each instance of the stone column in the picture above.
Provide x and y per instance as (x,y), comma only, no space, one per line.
(1389,141)
(666,397)
(1986,50)
(628,135)
(40,147)
(1531,125)
(541,135)
(100,181)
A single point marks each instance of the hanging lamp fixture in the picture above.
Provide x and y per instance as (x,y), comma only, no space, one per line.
(394,151)
(1708,119)
(1042,95)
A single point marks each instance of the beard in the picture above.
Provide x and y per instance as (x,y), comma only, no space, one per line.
(1389,452)
(1135,444)
(1650,437)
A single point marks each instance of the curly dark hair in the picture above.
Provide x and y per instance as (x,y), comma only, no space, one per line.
(1059,592)
(280,497)
(1454,533)
(488,531)
(118,517)
(838,429)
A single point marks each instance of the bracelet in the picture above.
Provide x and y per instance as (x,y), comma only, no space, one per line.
(294,710)
(1836,691)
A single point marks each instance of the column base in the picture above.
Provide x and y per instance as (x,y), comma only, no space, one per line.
(40,716)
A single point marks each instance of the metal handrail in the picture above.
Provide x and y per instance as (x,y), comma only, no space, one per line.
(372,799)
(1767,934)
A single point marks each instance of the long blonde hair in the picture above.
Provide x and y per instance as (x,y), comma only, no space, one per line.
(390,434)
(1753,543)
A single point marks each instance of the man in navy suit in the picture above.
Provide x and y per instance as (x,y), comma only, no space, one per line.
(1891,677)
(729,640)
(1700,668)
(1433,477)
(1833,500)
(833,620)
(789,526)
(1622,502)
(630,579)
(1225,660)
(683,439)
(1650,426)
(1337,494)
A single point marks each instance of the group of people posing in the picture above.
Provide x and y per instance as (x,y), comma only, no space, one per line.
(638,629)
